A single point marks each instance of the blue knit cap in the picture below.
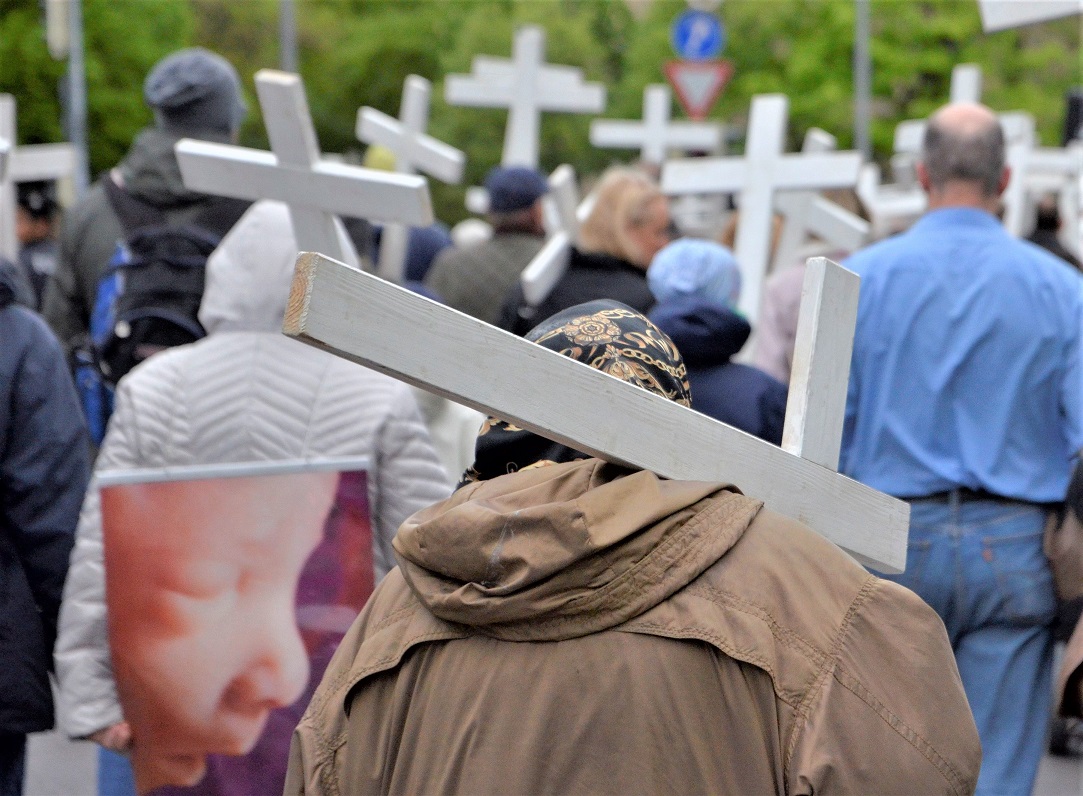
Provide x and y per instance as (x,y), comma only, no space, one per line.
(695,267)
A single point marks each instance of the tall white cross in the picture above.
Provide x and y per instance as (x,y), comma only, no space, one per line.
(806,212)
(656,134)
(763,170)
(390,329)
(414,151)
(25,164)
(317,191)
(526,86)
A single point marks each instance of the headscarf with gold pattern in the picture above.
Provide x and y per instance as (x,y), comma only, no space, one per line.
(608,336)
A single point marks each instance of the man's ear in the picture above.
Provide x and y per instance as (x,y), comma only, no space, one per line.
(1005,178)
(923,176)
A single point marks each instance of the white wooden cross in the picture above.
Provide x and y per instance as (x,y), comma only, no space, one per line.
(1003,14)
(317,191)
(656,134)
(526,86)
(372,322)
(806,212)
(414,151)
(548,266)
(763,170)
(891,208)
(25,164)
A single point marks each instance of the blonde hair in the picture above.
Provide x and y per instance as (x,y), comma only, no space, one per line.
(623,200)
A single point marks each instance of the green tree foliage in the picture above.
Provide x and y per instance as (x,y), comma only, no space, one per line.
(358,52)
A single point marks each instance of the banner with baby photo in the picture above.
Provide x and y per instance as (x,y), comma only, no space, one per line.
(228,588)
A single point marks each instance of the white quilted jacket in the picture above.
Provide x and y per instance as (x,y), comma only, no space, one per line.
(244,393)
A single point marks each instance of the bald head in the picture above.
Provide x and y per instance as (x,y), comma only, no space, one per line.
(964,142)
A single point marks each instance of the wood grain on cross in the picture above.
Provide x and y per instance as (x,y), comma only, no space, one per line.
(807,213)
(526,86)
(317,191)
(756,176)
(385,327)
(414,151)
(656,134)
(25,164)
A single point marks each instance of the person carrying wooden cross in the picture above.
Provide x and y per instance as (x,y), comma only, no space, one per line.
(565,625)
(966,399)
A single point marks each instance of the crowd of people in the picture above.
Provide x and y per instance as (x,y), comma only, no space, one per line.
(544,621)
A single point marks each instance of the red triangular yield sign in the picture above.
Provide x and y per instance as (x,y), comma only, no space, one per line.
(698,84)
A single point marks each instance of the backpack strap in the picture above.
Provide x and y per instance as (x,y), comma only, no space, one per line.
(133,213)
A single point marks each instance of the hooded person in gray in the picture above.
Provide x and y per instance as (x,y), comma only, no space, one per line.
(194,93)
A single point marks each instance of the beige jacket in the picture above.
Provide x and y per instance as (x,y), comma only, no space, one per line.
(579,628)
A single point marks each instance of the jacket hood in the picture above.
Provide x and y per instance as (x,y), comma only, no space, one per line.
(566,550)
(706,333)
(150,169)
(249,274)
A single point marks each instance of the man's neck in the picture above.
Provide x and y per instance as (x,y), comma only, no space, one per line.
(963,194)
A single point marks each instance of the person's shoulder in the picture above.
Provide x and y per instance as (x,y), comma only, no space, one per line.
(878,254)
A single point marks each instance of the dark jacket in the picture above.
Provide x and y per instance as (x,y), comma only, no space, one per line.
(44,468)
(708,335)
(90,230)
(590,276)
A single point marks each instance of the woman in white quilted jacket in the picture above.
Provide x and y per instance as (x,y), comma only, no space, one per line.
(244,393)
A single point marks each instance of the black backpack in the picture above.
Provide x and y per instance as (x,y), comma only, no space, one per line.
(148,297)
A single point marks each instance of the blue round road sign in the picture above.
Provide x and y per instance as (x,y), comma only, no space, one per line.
(697,35)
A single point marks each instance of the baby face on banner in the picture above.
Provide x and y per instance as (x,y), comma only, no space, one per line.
(201,580)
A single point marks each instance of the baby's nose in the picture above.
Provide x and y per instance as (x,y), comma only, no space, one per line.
(275,676)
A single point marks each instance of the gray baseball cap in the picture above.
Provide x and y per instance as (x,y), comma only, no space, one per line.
(195,90)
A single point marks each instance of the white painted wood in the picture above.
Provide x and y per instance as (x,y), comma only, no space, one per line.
(551,263)
(414,151)
(5,150)
(526,86)
(379,325)
(807,213)
(891,208)
(316,190)
(816,406)
(25,164)
(965,83)
(1003,14)
(657,134)
(762,171)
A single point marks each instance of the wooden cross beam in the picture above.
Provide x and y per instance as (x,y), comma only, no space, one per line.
(316,190)
(762,171)
(1004,14)
(385,327)
(526,86)
(414,151)
(806,212)
(891,208)
(25,164)
(656,134)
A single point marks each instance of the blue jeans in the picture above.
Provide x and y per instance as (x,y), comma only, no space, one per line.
(115,776)
(980,566)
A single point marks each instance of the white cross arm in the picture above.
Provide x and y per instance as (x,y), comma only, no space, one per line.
(493,83)
(379,325)
(630,135)
(426,153)
(816,406)
(546,269)
(818,171)
(5,150)
(703,175)
(353,191)
(42,162)
(1004,14)
(827,220)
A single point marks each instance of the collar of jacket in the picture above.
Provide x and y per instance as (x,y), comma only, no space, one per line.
(566,550)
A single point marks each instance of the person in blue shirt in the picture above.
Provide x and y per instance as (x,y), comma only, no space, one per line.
(966,399)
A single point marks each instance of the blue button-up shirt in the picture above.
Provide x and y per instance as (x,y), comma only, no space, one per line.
(967,365)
